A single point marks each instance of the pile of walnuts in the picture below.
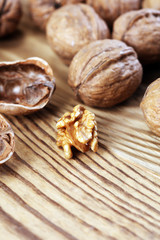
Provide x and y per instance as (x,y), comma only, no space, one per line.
(104,43)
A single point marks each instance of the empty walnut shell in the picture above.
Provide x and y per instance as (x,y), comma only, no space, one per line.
(10,14)
(6,140)
(151,4)
(150,106)
(41,10)
(25,85)
(109,10)
(141,30)
(105,73)
(73,26)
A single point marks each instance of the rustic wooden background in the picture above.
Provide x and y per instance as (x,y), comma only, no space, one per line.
(111,194)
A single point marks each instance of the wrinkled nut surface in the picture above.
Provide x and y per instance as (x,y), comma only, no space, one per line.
(6,140)
(141,30)
(72,27)
(25,86)
(105,73)
(109,10)
(10,14)
(151,4)
(150,106)
(41,10)
(78,129)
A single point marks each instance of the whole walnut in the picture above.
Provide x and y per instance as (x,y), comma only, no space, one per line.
(73,26)
(151,4)
(10,14)
(150,106)
(41,10)
(109,10)
(105,73)
(141,30)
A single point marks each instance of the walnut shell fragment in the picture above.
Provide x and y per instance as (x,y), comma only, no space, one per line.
(141,30)
(78,129)
(73,26)
(151,4)
(109,10)
(150,106)
(41,10)
(105,73)
(7,142)
(10,14)
(25,85)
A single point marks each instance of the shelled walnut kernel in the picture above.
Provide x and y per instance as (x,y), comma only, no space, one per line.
(78,129)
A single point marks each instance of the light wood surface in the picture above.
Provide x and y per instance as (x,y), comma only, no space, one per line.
(111,194)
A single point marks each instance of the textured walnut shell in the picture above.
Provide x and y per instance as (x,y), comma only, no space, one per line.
(41,10)
(6,140)
(109,10)
(141,30)
(151,4)
(72,27)
(25,86)
(105,73)
(10,14)
(150,106)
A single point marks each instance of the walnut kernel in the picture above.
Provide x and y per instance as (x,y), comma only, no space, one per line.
(78,129)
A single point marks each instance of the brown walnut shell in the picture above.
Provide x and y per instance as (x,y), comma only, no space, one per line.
(72,27)
(105,73)
(150,106)
(151,4)
(10,14)
(41,10)
(7,142)
(109,10)
(25,86)
(141,30)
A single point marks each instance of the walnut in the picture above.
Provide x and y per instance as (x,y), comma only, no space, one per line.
(151,4)
(7,141)
(41,10)
(10,14)
(150,106)
(105,73)
(25,85)
(109,10)
(72,27)
(78,129)
(141,30)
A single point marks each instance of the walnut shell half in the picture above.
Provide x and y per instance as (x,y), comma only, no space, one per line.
(105,73)
(41,10)
(10,14)
(25,85)
(141,30)
(150,106)
(109,10)
(73,26)
(7,142)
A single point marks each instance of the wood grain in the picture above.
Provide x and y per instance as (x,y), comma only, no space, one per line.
(111,194)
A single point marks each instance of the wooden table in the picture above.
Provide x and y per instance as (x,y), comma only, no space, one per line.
(111,194)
